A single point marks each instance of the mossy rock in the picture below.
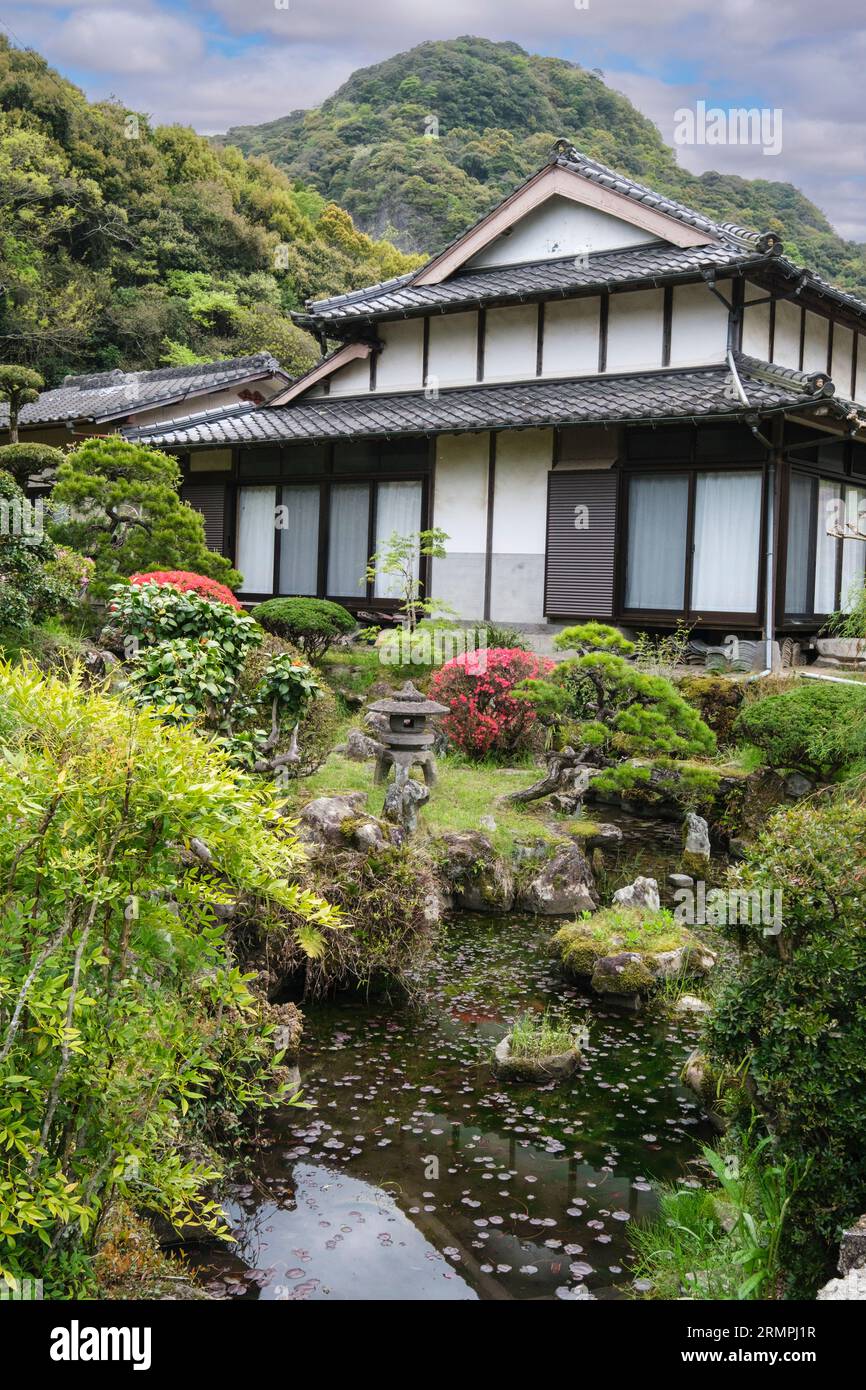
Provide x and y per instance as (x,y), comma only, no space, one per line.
(555,1067)
(717,699)
(625,973)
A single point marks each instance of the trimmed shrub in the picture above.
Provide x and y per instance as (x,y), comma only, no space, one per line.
(187,582)
(486,717)
(818,728)
(311,623)
(794,1013)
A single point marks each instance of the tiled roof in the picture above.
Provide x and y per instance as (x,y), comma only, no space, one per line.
(112,395)
(655,396)
(639,265)
(738,247)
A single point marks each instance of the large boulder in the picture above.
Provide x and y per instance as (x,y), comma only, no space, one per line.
(360,747)
(402,801)
(555,1067)
(474,877)
(562,886)
(342,820)
(625,974)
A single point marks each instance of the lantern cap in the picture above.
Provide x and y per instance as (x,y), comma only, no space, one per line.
(407,700)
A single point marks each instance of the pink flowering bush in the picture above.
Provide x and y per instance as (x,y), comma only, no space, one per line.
(189,583)
(486,717)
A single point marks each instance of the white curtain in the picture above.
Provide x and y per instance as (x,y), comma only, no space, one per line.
(347,539)
(799,534)
(398,508)
(853,551)
(255,548)
(657,521)
(827,546)
(299,540)
(727,541)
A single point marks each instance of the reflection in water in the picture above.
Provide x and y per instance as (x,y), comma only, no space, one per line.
(417,1175)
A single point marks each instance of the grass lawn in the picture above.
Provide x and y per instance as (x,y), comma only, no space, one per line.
(462,795)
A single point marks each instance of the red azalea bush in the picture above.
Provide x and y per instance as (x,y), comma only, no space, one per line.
(485,716)
(188,582)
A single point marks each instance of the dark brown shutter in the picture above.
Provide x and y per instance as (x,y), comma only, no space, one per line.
(210,500)
(579,569)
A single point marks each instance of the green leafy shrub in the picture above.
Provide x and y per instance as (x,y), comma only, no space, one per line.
(818,727)
(130,1040)
(318,714)
(119,503)
(23,460)
(30,589)
(313,624)
(717,700)
(142,614)
(794,1013)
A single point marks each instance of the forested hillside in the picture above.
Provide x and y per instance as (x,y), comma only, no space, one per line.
(132,246)
(498,111)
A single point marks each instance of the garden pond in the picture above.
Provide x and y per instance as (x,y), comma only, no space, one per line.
(416,1175)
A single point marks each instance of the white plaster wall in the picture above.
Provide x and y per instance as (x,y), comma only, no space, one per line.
(634,331)
(460,490)
(699,327)
(860,384)
(570,337)
(523,460)
(206,400)
(840,369)
(786,339)
(453,349)
(756,328)
(460,509)
(400,363)
(558,228)
(511,343)
(815,343)
(351,380)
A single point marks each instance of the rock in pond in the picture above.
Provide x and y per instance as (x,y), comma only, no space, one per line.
(696,842)
(644,892)
(556,1067)
(562,885)
(691,1004)
(473,875)
(628,952)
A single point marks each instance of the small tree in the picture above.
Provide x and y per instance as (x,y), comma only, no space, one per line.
(607,710)
(399,557)
(23,460)
(119,503)
(19,386)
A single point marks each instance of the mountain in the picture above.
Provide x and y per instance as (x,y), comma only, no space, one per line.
(131,246)
(498,110)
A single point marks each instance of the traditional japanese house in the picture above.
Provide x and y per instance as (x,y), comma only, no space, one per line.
(613,405)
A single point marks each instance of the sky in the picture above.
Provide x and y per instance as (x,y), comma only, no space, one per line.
(216,63)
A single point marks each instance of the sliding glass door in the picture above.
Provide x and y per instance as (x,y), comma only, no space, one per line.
(826,559)
(694,540)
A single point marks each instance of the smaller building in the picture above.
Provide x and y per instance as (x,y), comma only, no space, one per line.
(102,402)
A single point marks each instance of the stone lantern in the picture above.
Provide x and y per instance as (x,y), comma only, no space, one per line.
(408,739)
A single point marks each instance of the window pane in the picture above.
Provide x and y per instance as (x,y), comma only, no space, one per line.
(656,564)
(727,541)
(398,508)
(348,539)
(853,551)
(255,550)
(259,463)
(299,540)
(827,546)
(799,545)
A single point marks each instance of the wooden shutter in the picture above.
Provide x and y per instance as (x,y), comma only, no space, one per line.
(579,568)
(210,500)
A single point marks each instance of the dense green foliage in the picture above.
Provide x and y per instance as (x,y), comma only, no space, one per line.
(499,111)
(24,459)
(127,245)
(794,1015)
(119,503)
(190,659)
(129,1038)
(29,589)
(313,624)
(818,728)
